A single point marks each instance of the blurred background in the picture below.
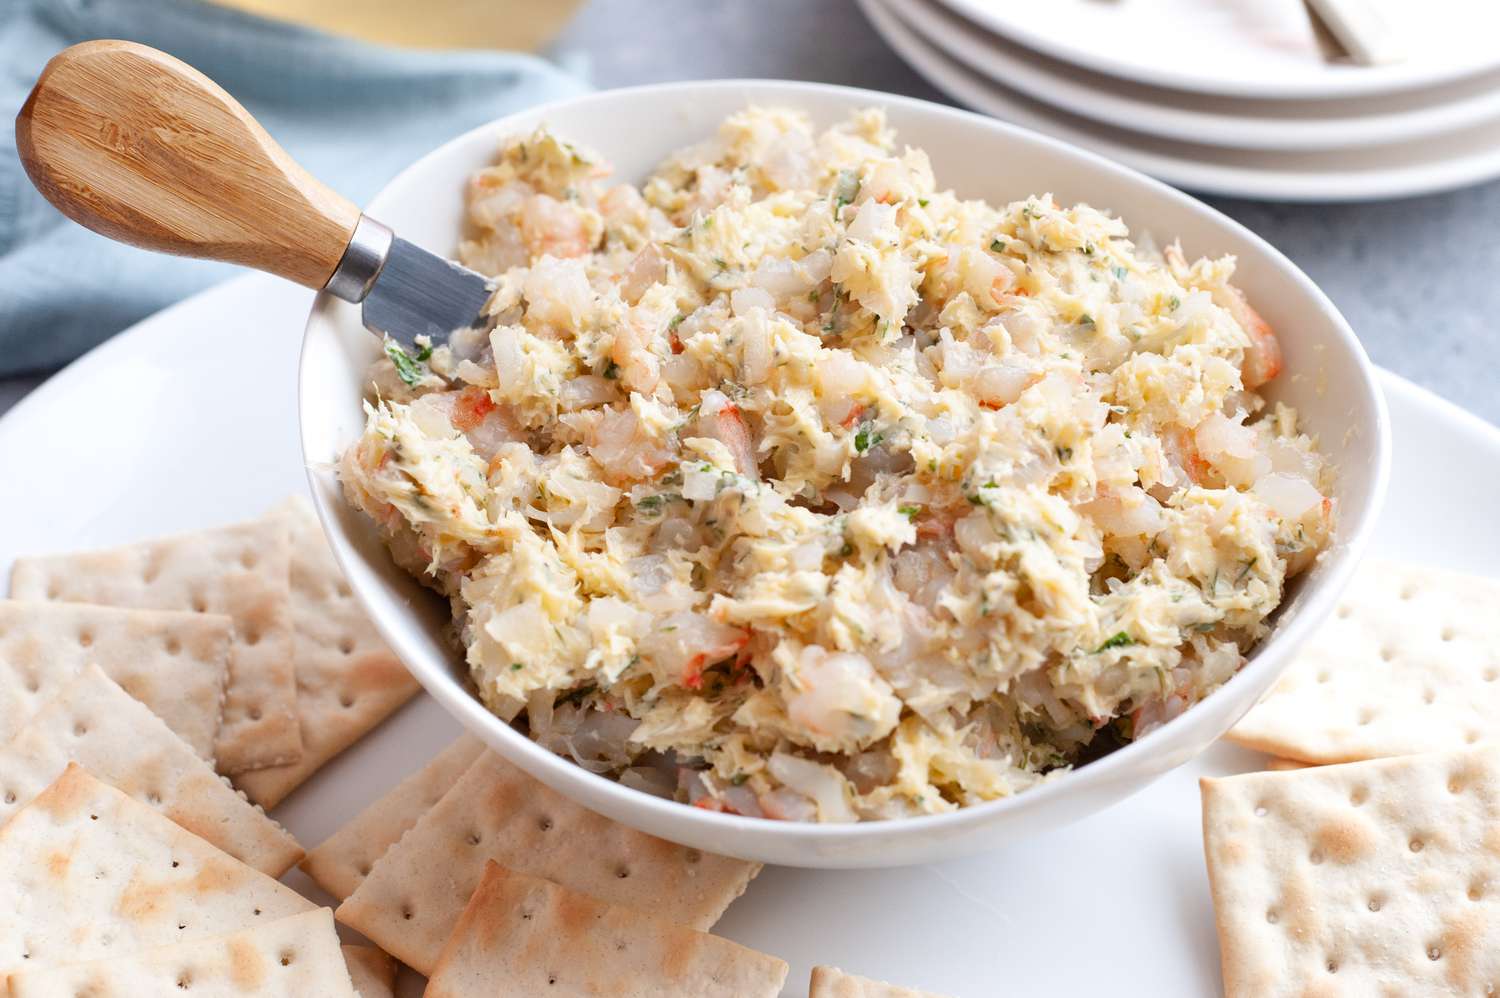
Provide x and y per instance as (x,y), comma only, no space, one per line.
(1373,178)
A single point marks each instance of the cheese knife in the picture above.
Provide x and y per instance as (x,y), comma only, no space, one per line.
(141,147)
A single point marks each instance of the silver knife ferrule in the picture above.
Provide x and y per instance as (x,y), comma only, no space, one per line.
(362,261)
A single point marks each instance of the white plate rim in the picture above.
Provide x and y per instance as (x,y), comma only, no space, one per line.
(1350,82)
(981,94)
(1169,114)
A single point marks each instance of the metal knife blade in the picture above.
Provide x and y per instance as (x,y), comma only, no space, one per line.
(405,290)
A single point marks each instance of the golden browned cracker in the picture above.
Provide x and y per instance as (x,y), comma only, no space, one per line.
(373,972)
(345,857)
(96,724)
(525,936)
(1378,877)
(831,982)
(413,896)
(348,681)
(1409,662)
(240,571)
(173,661)
(293,957)
(91,872)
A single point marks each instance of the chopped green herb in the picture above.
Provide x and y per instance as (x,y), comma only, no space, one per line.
(425,353)
(864,439)
(976,499)
(1174,303)
(1248,565)
(516,667)
(1120,272)
(1064,454)
(1086,320)
(407,369)
(846,550)
(922,202)
(997,246)
(576,696)
(1088,249)
(738,779)
(1119,640)
(612,370)
(676,320)
(911,512)
(845,190)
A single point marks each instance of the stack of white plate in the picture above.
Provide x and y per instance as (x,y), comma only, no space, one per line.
(1236,97)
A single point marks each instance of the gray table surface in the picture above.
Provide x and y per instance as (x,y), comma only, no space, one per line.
(1419,279)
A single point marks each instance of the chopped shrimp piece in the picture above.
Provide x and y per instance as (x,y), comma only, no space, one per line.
(647,268)
(1263,357)
(720,419)
(1181,449)
(624,448)
(472,412)
(552,228)
(639,368)
(1262,360)
(686,643)
(840,700)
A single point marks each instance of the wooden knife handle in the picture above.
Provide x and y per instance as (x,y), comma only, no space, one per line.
(143,148)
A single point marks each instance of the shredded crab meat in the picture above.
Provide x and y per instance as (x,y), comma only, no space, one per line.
(787,483)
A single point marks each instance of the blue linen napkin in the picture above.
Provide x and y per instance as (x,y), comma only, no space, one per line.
(354,114)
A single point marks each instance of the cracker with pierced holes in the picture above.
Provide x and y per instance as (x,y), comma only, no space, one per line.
(831,982)
(525,936)
(1409,662)
(90,872)
(97,725)
(173,661)
(1379,877)
(345,857)
(293,957)
(414,895)
(348,681)
(373,972)
(240,571)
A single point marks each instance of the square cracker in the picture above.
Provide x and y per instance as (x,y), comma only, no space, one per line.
(1409,662)
(372,971)
(1368,878)
(414,895)
(348,681)
(240,571)
(344,859)
(525,936)
(90,872)
(173,661)
(293,957)
(97,725)
(831,982)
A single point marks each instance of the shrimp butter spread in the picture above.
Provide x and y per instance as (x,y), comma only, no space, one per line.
(789,484)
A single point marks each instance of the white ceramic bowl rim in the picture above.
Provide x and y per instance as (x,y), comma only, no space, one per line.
(1315,605)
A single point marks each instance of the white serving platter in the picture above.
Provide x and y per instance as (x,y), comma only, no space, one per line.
(1403,169)
(1245,48)
(1235,122)
(189,420)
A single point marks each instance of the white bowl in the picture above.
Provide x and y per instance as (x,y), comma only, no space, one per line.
(1328,378)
